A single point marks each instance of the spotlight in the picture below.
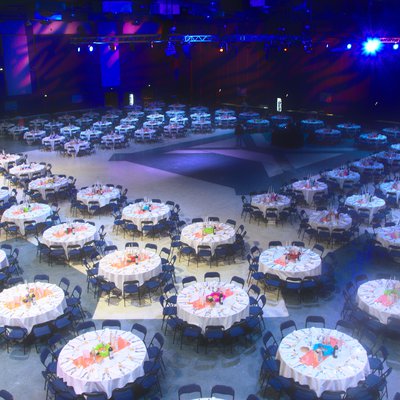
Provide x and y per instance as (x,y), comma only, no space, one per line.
(372,46)
(90,47)
(221,48)
(396,46)
(113,46)
(349,46)
(285,49)
(78,49)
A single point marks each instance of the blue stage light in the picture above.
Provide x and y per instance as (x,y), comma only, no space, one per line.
(349,46)
(90,47)
(372,46)
(396,46)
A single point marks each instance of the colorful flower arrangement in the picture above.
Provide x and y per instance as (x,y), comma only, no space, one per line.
(215,297)
(102,350)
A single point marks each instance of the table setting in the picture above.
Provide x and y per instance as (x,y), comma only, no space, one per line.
(6,158)
(311,124)
(247,115)
(53,140)
(70,130)
(49,182)
(144,133)
(102,360)
(35,135)
(225,121)
(208,233)
(342,175)
(90,134)
(129,265)
(98,192)
(28,304)
(309,187)
(290,262)
(146,211)
(380,299)
(368,164)
(69,233)
(330,219)
(76,145)
(102,125)
(280,119)
(324,359)
(200,116)
(373,138)
(392,133)
(18,130)
(388,236)
(29,169)
(349,129)
(327,134)
(212,303)
(113,138)
(366,201)
(391,187)
(270,200)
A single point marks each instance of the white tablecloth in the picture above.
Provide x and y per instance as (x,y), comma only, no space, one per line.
(380,299)
(7,158)
(4,194)
(108,374)
(367,164)
(34,135)
(69,130)
(29,169)
(102,125)
(76,146)
(19,214)
(391,132)
(326,220)
(309,190)
(312,124)
(327,134)
(389,236)
(124,128)
(193,308)
(3,259)
(372,203)
(337,374)
(112,138)
(391,187)
(388,156)
(343,175)
(90,134)
(138,212)
(395,147)
(373,138)
(349,129)
(264,201)
(103,195)
(50,304)
(53,140)
(225,121)
(42,184)
(56,235)
(119,266)
(17,130)
(193,235)
(273,261)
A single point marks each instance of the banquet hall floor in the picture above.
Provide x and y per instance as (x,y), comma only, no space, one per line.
(206,175)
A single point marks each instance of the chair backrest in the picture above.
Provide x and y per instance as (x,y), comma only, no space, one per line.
(84,326)
(6,395)
(287,325)
(111,323)
(313,320)
(139,329)
(212,275)
(188,279)
(189,389)
(238,280)
(222,390)
(41,278)
(95,396)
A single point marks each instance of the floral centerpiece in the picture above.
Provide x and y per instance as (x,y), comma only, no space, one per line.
(30,297)
(215,297)
(209,230)
(102,350)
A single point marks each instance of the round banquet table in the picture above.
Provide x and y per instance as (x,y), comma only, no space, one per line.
(34,135)
(388,236)
(53,140)
(136,114)
(57,235)
(312,124)
(224,112)
(145,211)
(274,261)
(78,369)
(49,304)
(53,126)
(328,135)
(337,374)
(270,200)
(5,127)
(194,235)
(38,122)
(113,138)
(102,194)
(29,169)
(175,113)
(193,308)
(70,130)
(90,134)
(179,120)
(5,159)
(392,187)
(373,204)
(225,121)
(349,129)
(280,119)
(246,115)
(395,147)
(392,133)
(53,182)
(3,259)
(128,121)
(200,115)
(102,125)
(374,139)
(309,189)
(201,124)
(123,129)
(257,123)
(328,220)
(343,175)
(155,117)
(368,165)
(380,299)
(17,130)
(26,212)
(120,266)
(388,156)
(75,146)
(142,133)
(4,194)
